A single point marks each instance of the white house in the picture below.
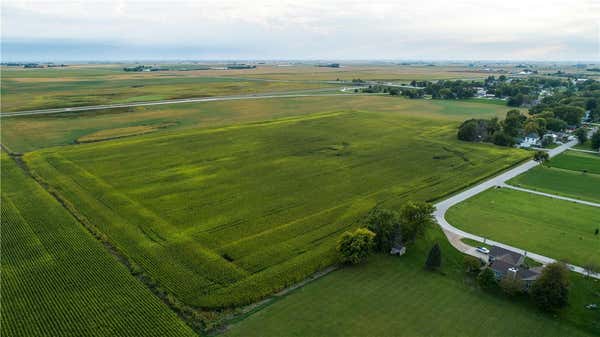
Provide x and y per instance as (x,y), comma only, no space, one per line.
(530,140)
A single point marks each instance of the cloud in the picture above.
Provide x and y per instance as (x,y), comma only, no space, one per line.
(461,29)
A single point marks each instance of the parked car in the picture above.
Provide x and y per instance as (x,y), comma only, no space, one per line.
(482,250)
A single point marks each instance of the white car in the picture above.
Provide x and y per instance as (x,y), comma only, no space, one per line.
(482,250)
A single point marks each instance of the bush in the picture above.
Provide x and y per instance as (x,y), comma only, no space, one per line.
(486,279)
(471,263)
(354,247)
(511,286)
(541,156)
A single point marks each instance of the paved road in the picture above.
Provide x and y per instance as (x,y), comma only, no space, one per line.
(454,234)
(287,94)
(583,202)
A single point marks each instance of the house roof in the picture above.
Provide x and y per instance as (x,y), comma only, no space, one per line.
(528,274)
(499,253)
(501,267)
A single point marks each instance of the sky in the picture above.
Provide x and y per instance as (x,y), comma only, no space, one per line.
(535,30)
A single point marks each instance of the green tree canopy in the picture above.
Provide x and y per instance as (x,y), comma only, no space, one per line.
(581,135)
(415,218)
(551,290)
(385,224)
(354,247)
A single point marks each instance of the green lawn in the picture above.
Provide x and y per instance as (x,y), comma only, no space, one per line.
(390,296)
(559,229)
(577,161)
(57,280)
(222,217)
(23,134)
(573,184)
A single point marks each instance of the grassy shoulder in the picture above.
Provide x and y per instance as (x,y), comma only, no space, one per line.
(559,229)
(391,296)
(57,280)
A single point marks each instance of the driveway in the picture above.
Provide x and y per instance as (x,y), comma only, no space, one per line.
(454,234)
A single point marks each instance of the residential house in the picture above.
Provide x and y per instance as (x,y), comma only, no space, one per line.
(506,263)
(529,140)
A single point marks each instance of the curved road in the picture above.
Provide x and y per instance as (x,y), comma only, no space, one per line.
(454,234)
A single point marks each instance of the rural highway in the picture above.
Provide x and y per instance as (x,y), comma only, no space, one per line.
(286,94)
(454,234)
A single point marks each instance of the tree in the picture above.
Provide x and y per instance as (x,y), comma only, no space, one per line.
(595,140)
(513,122)
(581,135)
(473,130)
(555,124)
(385,224)
(486,279)
(511,285)
(415,218)
(471,263)
(568,113)
(541,156)
(535,125)
(434,259)
(354,247)
(550,291)
(502,139)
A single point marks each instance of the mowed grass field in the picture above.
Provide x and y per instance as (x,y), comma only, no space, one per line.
(573,182)
(57,280)
(391,296)
(22,134)
(577,161)
(224,216)
(555,228)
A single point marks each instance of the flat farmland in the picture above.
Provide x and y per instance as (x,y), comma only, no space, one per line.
(30,89)
(31,93)
(225,216)
(555,228)
(57,280)
(22,134)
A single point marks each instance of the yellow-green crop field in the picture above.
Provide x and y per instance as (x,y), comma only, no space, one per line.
(23,134)
(57,280)
(224,216)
